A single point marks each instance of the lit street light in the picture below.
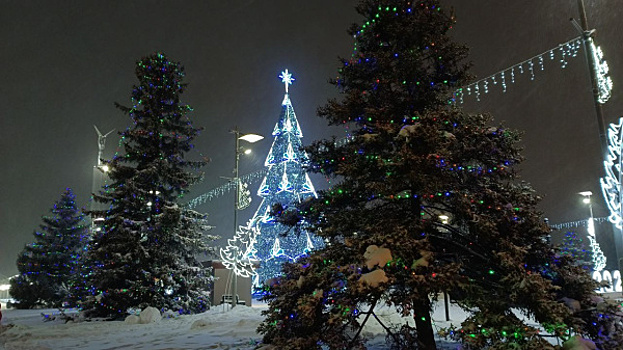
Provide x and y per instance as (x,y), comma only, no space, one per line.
(238,205)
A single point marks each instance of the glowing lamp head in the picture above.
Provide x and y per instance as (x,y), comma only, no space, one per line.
(247,151)
(105,168)
(251,138)
(587,196)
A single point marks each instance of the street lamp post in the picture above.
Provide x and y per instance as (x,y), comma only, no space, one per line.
(251,138)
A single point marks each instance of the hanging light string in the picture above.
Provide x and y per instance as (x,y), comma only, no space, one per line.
(502,78)
(578,223)
(221,190)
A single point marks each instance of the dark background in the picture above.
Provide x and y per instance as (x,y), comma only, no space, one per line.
(64,63)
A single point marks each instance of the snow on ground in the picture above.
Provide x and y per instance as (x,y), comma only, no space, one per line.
(220,328)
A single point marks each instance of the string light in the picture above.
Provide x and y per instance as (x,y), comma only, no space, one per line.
(565,50)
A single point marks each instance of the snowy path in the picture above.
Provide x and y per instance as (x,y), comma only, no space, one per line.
(218,329)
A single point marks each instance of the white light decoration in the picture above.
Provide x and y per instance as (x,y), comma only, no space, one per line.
(236,256)
(310,246)
(599,259)
(290,155)
(287,184)
(611,183)
(604,82)
(244,196)
(221,190)
(565,50)
(276,250)
(286,78)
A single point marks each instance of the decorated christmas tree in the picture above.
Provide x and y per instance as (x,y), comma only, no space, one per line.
(145,254)
(575,247)
(426,202)
(286,184)
(49,266)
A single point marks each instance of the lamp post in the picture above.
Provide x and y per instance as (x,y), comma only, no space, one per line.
(251,138)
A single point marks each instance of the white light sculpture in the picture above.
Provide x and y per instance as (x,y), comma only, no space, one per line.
(611,183)
(236,256)
(604,82)
(286,78)
(599,259)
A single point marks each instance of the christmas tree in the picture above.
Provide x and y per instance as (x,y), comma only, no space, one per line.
(286,184)
(426,203)
(49,266)
(145,253)
(576,248)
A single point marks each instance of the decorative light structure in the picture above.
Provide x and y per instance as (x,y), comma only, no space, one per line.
(562,53)
(599,260)
(611,182)
(235,255)
(286,183)
(602,72)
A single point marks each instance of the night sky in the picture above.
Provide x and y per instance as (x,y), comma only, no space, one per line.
(65,63)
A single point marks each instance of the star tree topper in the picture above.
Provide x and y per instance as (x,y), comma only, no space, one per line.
(286,78)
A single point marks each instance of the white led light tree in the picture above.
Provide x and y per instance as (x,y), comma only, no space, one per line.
(239,249)
(287,184)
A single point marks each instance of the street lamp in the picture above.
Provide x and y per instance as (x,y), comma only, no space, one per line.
(599,260)
(250,138)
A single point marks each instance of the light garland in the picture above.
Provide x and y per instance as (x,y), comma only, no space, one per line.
(611,183)
(226,188)
(578,223)
(564,51)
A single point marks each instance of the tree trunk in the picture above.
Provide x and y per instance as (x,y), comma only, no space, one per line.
(423,324)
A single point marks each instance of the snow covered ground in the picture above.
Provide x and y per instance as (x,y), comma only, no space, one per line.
(219,328)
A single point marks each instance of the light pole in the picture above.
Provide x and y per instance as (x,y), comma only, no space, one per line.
(599,260)
(251,138)
(593,56)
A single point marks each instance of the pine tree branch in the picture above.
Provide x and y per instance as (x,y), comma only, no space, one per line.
(370,312)
(387,329)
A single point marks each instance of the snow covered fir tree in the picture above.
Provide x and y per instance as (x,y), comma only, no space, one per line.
(286,184)
(48,267)
(145,254)
(426,202)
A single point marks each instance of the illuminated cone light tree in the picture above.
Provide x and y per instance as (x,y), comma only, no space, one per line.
(286,184)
